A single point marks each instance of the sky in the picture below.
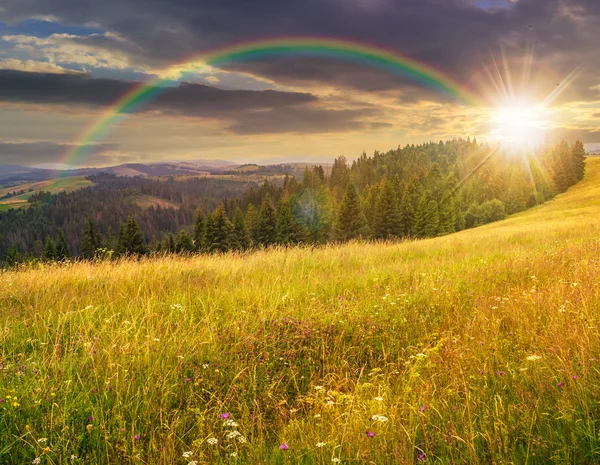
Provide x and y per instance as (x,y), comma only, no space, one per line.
(534,66)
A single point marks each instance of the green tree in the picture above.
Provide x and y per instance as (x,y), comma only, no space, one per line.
(251,221)
(387,216)
(131,240)
(264,232)
(199,229)
(286,230)
(241,237)
(49,254)
(350,222)
(92,239)
(447,217)
(219,231)
(62,248)
(578,160)
(492,210)
(184,243)
(13,256)
(427,219)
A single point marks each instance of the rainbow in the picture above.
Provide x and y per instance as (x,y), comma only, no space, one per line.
(338,49)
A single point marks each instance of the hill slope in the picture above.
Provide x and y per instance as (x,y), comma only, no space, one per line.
(478,347)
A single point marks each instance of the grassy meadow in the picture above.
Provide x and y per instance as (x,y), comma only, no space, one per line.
(52,186)
(481,347)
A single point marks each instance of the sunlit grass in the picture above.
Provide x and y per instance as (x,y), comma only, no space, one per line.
(479,347)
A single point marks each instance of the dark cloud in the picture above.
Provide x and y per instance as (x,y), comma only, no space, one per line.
(455,36)
(243,111)
(31,153)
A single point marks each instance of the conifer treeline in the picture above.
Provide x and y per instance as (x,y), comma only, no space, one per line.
(412,192)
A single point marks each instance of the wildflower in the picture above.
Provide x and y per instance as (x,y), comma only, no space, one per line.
(379,399)
(90,419)
(379,418)
(193,462)
(370,434)
(225,416)
(574,376)
(230,423)
(212,441)
(317,415)
(335,460)
(137,437)
(73,457)
(187,380)
(188,454)
(284,446)
(318,388)
(241,439)
(500,373)
(42,440)
(37,460)
(233,434)
(423,408)
(559,384)
(421,457)
(320,444)
(533,358)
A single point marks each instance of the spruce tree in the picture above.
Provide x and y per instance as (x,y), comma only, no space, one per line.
(49,254)
(286,229)
(184,243)
(264,233)
(219,231)
(170,244)
(62,248)
(251,220)
(578,160)
(427,217)
(387,216)
(92,239)
(447,217)
(351,222)
(131,240)
(241,237)
(13,257)
(199,229)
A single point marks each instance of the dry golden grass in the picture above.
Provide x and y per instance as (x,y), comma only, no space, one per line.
(480,347)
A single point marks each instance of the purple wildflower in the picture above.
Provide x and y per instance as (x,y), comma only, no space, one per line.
(423,408)
(122,430)
(559,384)
(284,446)
(225,416)
(421,457)
(137,437)
(501,373)
(574,376)
(370,434)
(187,380)
(90,419)
(2,401)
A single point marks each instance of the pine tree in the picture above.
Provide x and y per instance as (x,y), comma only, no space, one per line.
(314,215)
(447,217)
(62,248)
(286,230)
(184,243)
(170,246)
(199,230)
(264,233)
(351,222)
(562,173)
(578,160)
(387,216)
(251,220)
(241,237)
(13,257)
(91,241)
(427,217)
(49,254)
(131,239)
(219,231)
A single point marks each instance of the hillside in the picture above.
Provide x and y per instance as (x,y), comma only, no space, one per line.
(477,347)
(52,186)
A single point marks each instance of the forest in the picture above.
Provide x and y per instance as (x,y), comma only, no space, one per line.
(411,192)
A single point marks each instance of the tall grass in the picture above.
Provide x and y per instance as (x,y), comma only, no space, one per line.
(480,347)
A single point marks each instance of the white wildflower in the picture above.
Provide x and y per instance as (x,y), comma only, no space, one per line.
(233,434)
(335,460)
(379,399)
(379,418)
(188,454)
(37,460)
(533,358)
(318,388)
(212,441)
(42,440)
(320,444)
(230,423)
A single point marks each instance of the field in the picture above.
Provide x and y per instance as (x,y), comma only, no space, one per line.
(479,347)
(53,186)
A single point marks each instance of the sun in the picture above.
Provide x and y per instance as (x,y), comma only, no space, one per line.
(518,123)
